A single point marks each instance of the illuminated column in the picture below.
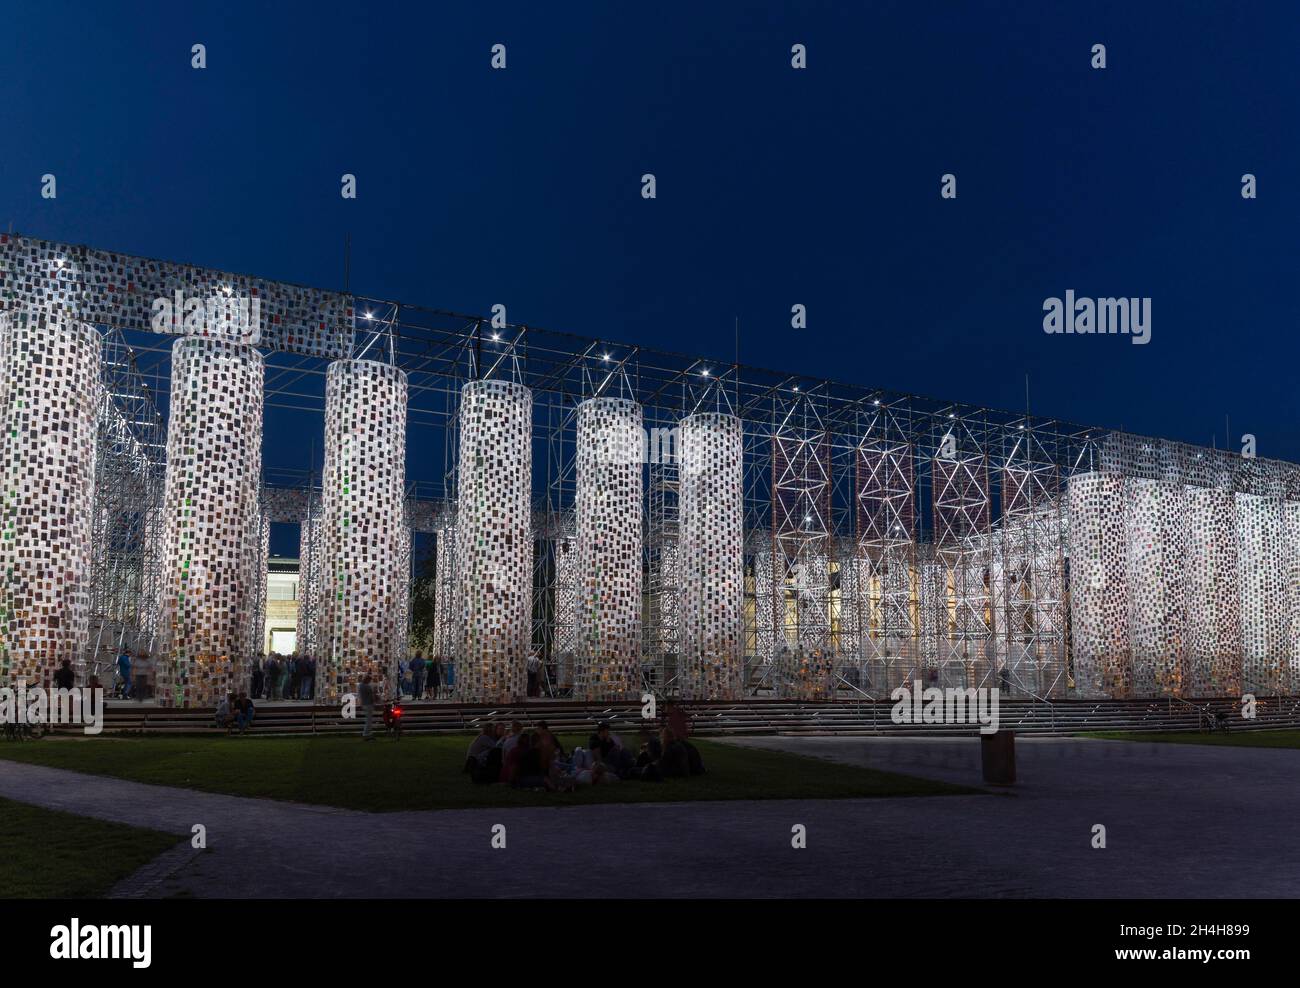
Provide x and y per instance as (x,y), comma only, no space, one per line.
(363,525)
(1213,596)
(1290,673)
(711,564)
(1156,522)
(445,616)
(609,515)
(566,603)
(1098,588)
(1263,593)
(764,597)
(261,563)
(403,630)
(49,406)
(494,546)
(309,582)
(211,520)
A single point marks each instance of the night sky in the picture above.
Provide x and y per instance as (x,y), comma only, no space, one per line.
(775,186)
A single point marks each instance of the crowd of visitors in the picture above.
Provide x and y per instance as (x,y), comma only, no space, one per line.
(293,677)
(429,679)
(283,677)
(535,759)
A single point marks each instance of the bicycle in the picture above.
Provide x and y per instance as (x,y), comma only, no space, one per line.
(393,719)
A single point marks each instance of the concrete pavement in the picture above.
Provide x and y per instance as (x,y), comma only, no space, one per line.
(1181,821)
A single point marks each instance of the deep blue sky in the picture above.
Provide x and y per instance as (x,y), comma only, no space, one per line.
(775,186)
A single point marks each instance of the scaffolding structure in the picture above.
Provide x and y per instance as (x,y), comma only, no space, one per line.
(129,467)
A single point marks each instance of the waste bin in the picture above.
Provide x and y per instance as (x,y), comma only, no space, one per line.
(998,753)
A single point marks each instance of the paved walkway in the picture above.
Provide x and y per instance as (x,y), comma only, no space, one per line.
(1182,821)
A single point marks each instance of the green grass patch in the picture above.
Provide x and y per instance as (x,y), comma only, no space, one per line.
(423,772)
(49,854)
(1233,739)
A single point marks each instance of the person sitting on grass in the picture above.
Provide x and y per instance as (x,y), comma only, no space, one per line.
(585,768)
(510,740)
(551,749)
(652,750)
(608,748)
(561,779)
(521,766)
(484,742)
(679,757)
(244,711)
(603,741)
(674,763)
(528,772)
(483,760)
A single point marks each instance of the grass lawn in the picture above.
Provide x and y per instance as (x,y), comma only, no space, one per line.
(423,772)
(49,854)
(1234,739)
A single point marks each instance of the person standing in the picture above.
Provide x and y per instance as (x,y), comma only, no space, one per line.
(65,677)
(534,666)
(367,700)
(435,676)
(417,676)
(124,670)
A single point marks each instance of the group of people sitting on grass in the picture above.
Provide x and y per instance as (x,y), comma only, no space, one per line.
(235,713)
(535,759)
